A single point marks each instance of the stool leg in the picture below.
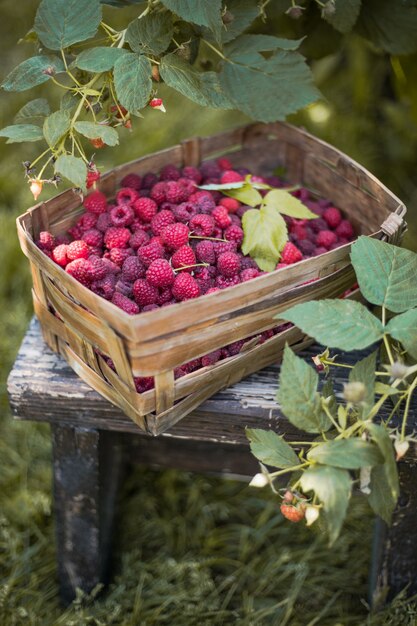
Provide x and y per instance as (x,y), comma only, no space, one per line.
(87,466)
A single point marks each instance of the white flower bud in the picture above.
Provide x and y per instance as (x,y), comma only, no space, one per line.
(401,448)
(365,480)
(312,513)
(259,480)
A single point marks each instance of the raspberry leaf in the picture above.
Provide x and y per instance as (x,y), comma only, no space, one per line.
(386,274)
(333,487)
(287,204)
(346,453)
(93,131)
(132,79)
(21,132)
(34,110)
(246,194)
(344,14)
(201,12)
(364,372)
(343,324)
(389,25)
(151,33)
(385,487)
(32,72)
(270,448)
(243,12)
(61,23)
(403,328)
(265,236)
(98,59)
(55,126)
(298,396)
(72,168)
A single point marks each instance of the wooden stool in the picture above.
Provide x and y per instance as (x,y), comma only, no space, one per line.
(92,440)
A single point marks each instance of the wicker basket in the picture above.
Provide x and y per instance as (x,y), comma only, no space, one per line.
(79,324)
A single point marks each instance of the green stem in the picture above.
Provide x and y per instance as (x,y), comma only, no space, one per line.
(331,418)
(221,55)
(68,71)
(388,349)
(39,157)
(407,407)
(288,469)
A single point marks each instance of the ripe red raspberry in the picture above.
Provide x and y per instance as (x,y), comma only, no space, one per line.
(119,255)
(169,172)
(175,236)
(222,282)
(59,255)
(319,250)
(161,220)
(75,232)
(144,383)
(202,225)
(93,237)
(92,177)
(122,215)
(211,358)
(231,176)
(235,347)
(185,287)
(126,195)
(221,217)
(125,288)
(144,293)
(96,202)
(231,204)
(224,163)
(248,274)
(104,287)
(138,239)
(98,267)
(175,192)
(290,254)
(145,208)
(205,252)
(158,192)
(183,257)
(77,250)
(212,290)
(164,296)
(188,187)
(318,224)
(224,246)
(246,262)
(192,173)
(234,233)
(151,252)
(293,513)
(345,230)
(127,305)
(117,237)
(149,180)
(228,264)
(80,269)
(87,221)
(333,217)
(326,238)
(131,180)
(132,269)
(160,273)
(103,222)
(204,279)
(46,241)
(299,232)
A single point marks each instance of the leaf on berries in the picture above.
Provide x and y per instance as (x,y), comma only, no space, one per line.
(61,23)
(287,204)
(346,453)
(270,448)
(386,273)
(151,34)
(403,328)
(132,80)
(99,59)
(32,72)
(343,324)
(21,132)
(298,396)
(391,26)
(72,168)
(55,126)
(201,12)
(222,186)
(243,12)
(364,372)
(246,194)
(97,131)
(265,236)
(33,111)
(380,436)
(333,487)
(344,15)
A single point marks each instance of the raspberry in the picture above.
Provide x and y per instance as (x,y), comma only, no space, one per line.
(185,211)
(231,204)
(175,236)
(183,257)
(279,266)
(299,232)
(145,208)
(144,383)
(246,262)
(188,187)
(293,513)
(212,290)
(131,180)
(175,193)
(96,202)
(230,176)
(221,217)
(80,269)
(235,347)
(307,247)
(75,232)
(192,173)
(46,241)
(144,293)
(345,230)
(132,269)
(234,233)
(203,200)
(93,237)
(228,264)
(210,169)
(169,172)
(290,254)
(223,246)
(211,358)
(205,252)
(204,279)
(202,225)
(103,222)
(104,287)
(92,177)
(149,180)
(161,220)
(121,215)
(119,255)
(318,224)
(125,303)
(320,250)
(117,237)
(332,216)
(160,273)
(248,274)
(158,192)
(224,163)
(124,287)
(185,287)
(59,255)
(242,210)
(126,195)
(98,268)
(164,296)
(138,239)
(151,252)
(77,250)
(326,238)
(222,282)
(87,221)
(111,268)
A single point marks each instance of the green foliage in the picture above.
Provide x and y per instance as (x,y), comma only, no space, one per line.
(288,204)
(61,23)
(390,25)
(55,126)
(270,448)
(33,111)
(32,72)
(364,372)
(73,168)
(151,34)
(93,131)
(265,236)
(346,453)
(344,15)
(202,12)
(100,59)
(22,132)
(132,80)
(403,328)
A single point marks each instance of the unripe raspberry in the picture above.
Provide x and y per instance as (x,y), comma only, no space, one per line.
(234,233)
(151,252)
(131,180)
(93,176)
(122,215)
(326,238)
(144,293)
(80,269)
(205,252)
(202,225)
(77,250)
(145,208)
(228,264)
(96,202)
(183,257)
(117,237)
(161,220)
(290,254)
(231,204)
(124,303)
(59,255)
(132,269)
(221,217)
(333,217)
(175,236)
(185,287)
(160,273)
(93,237)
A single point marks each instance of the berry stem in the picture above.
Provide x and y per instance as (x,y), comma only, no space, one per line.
(187,267)
(289,469)
(208,238)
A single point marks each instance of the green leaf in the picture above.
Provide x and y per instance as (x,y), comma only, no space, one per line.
(346,453)
(93,131)
(21,132)
(333,488)
(327,393)
(386,274)
(222,186)
(381,499)
(364,372)
(132,79)
(343,324)
(99,59)
(202,12)
(32,72)
(265,236)
(382,389)
(55,126)
(34,110)
(345,14)
(248,45)
(61,23)
(297,394)
(287,204)
(150,34)
(243,12)
(403,328)
(270,448)
(246,194)
(72,168)
(200,87)
(390,25)
(382,439)
(69,101)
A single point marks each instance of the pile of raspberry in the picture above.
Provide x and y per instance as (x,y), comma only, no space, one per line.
(163,240)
